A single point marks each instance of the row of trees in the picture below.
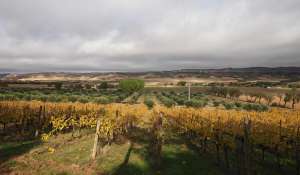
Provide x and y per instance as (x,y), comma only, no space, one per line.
(293,96)
(225,92)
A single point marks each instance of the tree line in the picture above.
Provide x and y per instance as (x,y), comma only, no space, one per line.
(292,96)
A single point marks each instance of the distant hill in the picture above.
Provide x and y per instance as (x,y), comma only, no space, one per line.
(248,70)
(225,74)
(3,75)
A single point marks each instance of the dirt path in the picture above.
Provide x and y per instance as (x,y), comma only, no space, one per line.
(128,99)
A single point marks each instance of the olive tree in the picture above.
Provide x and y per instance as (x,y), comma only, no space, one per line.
(131,85)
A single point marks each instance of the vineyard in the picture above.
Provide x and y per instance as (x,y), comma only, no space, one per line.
(242,142)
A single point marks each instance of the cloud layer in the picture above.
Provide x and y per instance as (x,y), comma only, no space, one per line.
(136,35)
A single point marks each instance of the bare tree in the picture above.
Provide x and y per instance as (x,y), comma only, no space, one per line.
(293,96)
(269,98)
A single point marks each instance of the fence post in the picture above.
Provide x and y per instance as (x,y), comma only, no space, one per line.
(94,152)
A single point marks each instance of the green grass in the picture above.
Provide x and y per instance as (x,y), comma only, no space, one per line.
(12,149)
(72,156)
(179,160)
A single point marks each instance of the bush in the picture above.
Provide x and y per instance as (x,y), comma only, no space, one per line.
(83,100)
(263,108)
(102,100)
(179,100)
(228,106)
(149,103)
(216,103)
(58,85)
(255,107)
(8,97)
(195,103)
(238,104)
(181,83)
(166,101)
(27,97)
(72,98)
(19,96)
(54,98)
(2,97)
(43,98)
(103,85)
(122,97)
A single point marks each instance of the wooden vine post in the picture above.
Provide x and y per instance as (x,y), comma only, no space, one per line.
(156,142)
(95,147)
(225,150)
(247,146)
(239,152)
(38,124)
(218,140)
(297,151)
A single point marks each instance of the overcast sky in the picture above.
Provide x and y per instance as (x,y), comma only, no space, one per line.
(137,35)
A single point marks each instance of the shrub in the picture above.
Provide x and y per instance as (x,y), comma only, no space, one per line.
(166,101)
(88,86)
(102,100)
(72,98)
(216,103)
(27,97)
(228,106)
(19,95)
(255,107)
(263,108)
(238,104)
(179,100)
(58,85)
(103,85)
(122,97)
(54,98)
(149,103)
(43,98)
(83,100)
(181,83)
(195,103)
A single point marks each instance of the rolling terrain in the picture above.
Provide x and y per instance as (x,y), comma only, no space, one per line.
(226,75)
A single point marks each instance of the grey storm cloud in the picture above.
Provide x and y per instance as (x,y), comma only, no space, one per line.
(101,35)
